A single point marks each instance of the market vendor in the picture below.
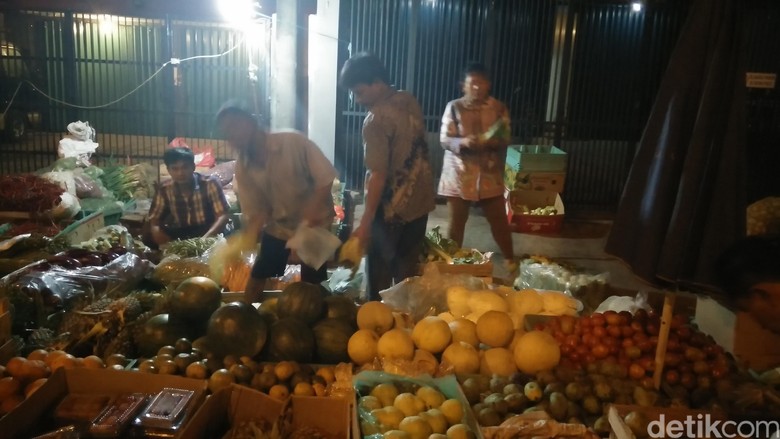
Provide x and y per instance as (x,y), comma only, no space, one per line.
(475,134)
(189,205)
(749,272)
(282,180)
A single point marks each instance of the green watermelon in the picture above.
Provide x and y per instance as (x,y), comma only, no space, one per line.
(331,337)
(301,300)
(290,339)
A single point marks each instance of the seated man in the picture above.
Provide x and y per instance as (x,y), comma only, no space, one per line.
(749,273)
(189,205)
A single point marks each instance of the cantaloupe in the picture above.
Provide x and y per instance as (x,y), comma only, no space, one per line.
(396,344)
(464,330)
(362,346)
(463,358)
(497,361)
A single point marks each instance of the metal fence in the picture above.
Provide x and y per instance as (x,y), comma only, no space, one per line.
(139,82)
(578,74)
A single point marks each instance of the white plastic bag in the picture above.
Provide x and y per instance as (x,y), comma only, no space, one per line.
(313,245)
(625,303)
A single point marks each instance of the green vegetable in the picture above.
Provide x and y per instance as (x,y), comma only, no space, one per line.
(188,248)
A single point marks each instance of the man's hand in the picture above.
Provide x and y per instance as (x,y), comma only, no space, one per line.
(469,142)
(363,234)
(159,236)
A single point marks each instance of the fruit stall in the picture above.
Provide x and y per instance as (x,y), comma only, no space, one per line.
(104,338)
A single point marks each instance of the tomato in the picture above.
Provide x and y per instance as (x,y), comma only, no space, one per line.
(637,327)
(614,331)
(627,342)
(597,319)
(627,331)
(672,377)
(683,333)
(688,380)
(636,371)
(589,358)
(672,359)
(611,317)
(599,331)
(648,383)
(633,352)
(652,328)
(600,351)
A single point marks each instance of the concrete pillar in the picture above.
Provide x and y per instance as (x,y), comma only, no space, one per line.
(323,76)
(285,46)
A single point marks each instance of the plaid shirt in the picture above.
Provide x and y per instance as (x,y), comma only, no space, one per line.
(172,208)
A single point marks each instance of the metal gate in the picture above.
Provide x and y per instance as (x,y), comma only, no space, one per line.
(139,82)
(579,74)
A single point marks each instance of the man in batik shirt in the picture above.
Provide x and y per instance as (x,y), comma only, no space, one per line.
(399,181)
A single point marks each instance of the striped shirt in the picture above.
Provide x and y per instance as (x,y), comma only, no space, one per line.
(202,207)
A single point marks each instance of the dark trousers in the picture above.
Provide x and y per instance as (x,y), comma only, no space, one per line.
(272,261)
(394,252)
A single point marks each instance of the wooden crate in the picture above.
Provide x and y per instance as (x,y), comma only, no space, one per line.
(5,320)
(617,412)
(476,270)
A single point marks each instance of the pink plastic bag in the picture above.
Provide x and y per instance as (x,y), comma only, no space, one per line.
(204,157)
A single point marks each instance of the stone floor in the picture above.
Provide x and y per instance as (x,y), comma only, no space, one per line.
(580,243)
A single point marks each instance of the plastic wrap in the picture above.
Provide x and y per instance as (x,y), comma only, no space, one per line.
(426,295)
(223,172)
(68,206)
(365,381)
(625,303)
(555,277)
(173,270)
(313,245)
(65,179)
(345,281)
(40,289)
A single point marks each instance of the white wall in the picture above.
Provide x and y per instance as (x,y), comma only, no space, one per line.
(323,75)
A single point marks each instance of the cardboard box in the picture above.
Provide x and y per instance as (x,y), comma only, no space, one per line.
(738,333)
(617,412)
(236,404)
(33,415)
(537,181)
(523,223)
(536,158)
(484,270)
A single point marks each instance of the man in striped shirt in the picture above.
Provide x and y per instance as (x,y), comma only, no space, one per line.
(189,205)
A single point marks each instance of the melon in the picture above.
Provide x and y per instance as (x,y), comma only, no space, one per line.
(497,361)
(301,300)
(375,316)
(195,299)
(290,339)
(432,334)
(331,337)
(362,346)
(463,358)
(495,329)
(157,332)
(238,329)
(485,300)
(396,344)
(341,307)
(536,351)
(458,300)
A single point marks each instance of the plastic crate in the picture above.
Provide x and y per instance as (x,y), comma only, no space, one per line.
(537,158)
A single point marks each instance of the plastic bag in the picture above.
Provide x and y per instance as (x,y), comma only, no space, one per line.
(313,245)
(345,282)
(224,252)
(552,276)
(625,303)
(204,157)
(173,270)
(65,179)
(68,208)
(36,293)
(223,172)
(426,295)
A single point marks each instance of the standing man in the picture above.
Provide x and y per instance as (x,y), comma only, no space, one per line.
(282,180)
(475,134)
(189,205)
(399,191)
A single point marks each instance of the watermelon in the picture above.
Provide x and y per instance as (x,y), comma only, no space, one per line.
(331,337)
(195,299)
(157,332)
(341,307)
(290,339)
(238,329)
(301,300)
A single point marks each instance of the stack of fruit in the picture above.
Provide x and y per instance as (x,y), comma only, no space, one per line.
(489,346)
(21,376)
(406,410)
(693,359)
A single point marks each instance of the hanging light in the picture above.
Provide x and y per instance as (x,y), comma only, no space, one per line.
(636,6)
(238,12)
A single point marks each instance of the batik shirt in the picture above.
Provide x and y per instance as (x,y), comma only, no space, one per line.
(394,142)
(202,208)
(472,173)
